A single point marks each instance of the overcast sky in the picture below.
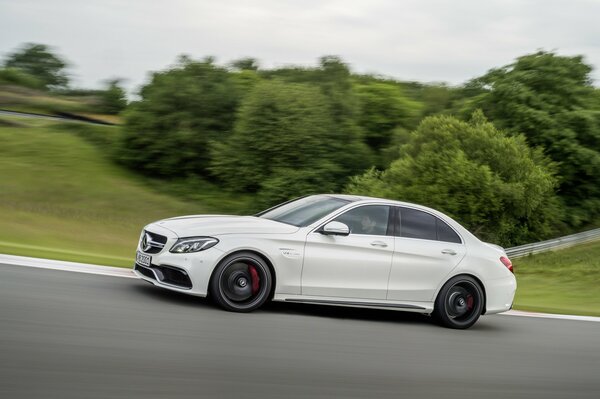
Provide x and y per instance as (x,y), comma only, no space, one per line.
(425,40)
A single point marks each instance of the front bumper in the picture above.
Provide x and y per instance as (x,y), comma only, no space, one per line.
(188,272)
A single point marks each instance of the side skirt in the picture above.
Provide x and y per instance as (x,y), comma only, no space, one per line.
(373,305)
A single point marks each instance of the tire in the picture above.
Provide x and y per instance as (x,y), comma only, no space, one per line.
(241,282)
(459,303)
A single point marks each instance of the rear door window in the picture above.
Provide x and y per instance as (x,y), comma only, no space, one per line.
(413,223)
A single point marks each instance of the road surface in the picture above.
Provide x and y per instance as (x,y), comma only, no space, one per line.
(74,335)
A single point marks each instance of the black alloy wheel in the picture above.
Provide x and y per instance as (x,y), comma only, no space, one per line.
(459,303)
(241,282)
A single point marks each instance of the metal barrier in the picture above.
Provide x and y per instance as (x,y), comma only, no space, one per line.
(555,243)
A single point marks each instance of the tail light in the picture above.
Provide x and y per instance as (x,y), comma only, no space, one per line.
(506,262)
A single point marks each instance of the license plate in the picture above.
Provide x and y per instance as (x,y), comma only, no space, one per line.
(143,259)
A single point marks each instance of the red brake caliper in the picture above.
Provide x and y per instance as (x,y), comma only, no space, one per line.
(469,302)
(255,279)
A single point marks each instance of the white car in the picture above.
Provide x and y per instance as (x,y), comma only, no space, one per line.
(332,250)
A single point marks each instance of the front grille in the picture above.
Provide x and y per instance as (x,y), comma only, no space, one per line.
(152,243)
(166,274)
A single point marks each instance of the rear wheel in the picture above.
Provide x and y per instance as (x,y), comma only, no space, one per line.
(241,282)
(459,303)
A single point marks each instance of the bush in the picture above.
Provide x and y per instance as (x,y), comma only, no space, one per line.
(281,145)
(17,77)
(494,184)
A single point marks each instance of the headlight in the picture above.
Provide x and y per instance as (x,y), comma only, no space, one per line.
(193,244)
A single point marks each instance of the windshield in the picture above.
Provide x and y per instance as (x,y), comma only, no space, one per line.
(304,211)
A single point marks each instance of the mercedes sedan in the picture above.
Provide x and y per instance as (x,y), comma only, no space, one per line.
(332,250)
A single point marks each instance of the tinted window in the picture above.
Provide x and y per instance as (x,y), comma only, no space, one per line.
(417,224)
(369,219)
(304,211)
(445,232)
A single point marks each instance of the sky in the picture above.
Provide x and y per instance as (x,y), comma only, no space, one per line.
(423,40)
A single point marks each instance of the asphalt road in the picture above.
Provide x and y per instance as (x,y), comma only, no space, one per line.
(73,335)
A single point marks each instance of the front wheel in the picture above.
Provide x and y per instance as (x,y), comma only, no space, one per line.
(241,282)
(459,303)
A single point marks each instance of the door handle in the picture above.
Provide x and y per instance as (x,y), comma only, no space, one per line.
(379,244)
(448,252)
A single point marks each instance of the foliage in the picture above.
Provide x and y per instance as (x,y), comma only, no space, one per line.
(281,144)
(245,64)
(38,60)
(550,99)
(113,99)
(180,112)
(14,76)
(335,81)
(494,184)
(383,109)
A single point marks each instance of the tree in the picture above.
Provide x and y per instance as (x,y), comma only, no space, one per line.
(113,99)
(38,60)
(181,111)
(335,81)
(245,64)
(491,182)
(383,109)
(550,99)
(281,144)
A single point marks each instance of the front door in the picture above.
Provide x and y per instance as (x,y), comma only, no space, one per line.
(353,266)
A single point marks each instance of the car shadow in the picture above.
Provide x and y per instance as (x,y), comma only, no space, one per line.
(310,310)
(342,312)
(333,312)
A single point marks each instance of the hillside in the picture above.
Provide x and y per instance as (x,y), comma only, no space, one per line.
(61,196)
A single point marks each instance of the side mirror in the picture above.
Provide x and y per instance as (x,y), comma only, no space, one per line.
(335,229)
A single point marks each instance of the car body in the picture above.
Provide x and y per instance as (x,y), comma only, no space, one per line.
(333,250)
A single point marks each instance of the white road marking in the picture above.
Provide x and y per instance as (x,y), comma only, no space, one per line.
(550,316)
(123,272)
(66,266)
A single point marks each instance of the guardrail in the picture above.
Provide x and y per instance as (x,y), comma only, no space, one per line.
(555,243)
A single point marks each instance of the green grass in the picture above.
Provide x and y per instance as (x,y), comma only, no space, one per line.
(565,281)
(61,196)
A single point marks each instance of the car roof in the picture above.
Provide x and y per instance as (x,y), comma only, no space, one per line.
(356,198)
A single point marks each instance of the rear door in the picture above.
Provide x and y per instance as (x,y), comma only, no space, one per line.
(426,250)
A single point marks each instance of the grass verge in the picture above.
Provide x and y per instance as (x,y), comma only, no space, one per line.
(565,281)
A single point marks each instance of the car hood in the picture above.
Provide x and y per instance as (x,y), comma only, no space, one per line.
(212,225)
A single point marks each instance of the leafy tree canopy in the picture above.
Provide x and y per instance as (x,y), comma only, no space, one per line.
(281,144)
(180,112)
(113,99)
(39,61)
(382,109)
(550,99)
(494,184)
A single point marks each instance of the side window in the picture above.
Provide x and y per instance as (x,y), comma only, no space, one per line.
(369,219)
(445,232)
(419,224)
